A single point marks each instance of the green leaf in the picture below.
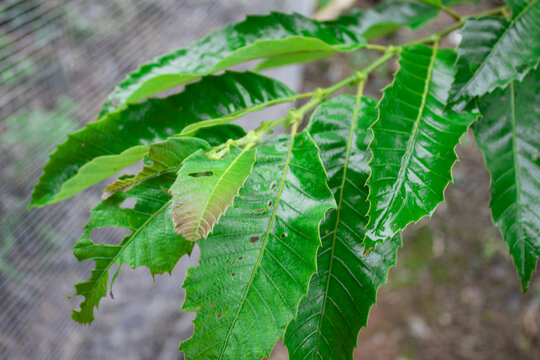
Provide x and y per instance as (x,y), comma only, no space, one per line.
(345,286)
(257,37)
(120,139)
(387,17)
(413,143)
(205,188)
(377,21)
(291,59)
(321,4)
(478,37)
(494,52)
(194,128)
(436,3)
(517,5)
(163,157)
(256,265)
(152,243)
(449,3)
(509,137)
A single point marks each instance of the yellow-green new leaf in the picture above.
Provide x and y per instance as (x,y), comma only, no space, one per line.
(205,188)
(153,241)
(256,265)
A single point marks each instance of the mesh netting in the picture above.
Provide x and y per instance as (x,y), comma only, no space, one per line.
(58,62)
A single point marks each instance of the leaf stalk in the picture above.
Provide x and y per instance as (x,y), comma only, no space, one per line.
(295,116)
(435,36)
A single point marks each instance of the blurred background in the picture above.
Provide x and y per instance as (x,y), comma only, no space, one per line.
(454,293)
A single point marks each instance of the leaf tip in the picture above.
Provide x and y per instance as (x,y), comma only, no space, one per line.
(524,286)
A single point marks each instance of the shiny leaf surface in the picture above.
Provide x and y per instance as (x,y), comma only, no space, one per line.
(387,17)
(436,3)
(517,5)
(257,37)
(413,143)
(205,188)
(509,136)
(256,265)
(163,157)
(345,285)
(120,139)
(192,129)
(372,23)
(152,242)
(493,51)
(478,36)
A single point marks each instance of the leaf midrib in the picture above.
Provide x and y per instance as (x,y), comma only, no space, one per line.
(133,236)
(219,65)
(192,128)
(195,233)
(412,140)
(516,176)
(265,241)
(338,218)
(130,183)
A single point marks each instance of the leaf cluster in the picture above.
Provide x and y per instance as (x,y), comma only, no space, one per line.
(297,231)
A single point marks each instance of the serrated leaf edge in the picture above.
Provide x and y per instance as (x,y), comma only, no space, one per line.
(196,232)
(338,212)
(292,136)
(519,76)
(114,260)
(524,282)
(370,243)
